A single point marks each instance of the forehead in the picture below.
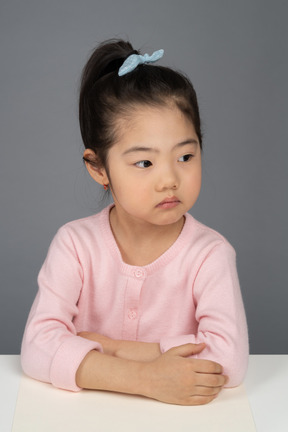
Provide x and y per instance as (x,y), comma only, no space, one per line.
(154,124)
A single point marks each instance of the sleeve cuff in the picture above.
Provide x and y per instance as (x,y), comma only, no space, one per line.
(67,360)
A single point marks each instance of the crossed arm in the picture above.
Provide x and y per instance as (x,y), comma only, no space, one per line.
(52,351)
(141,368)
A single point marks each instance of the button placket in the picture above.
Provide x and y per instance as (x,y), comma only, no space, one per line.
(139,273)
(131,305)
(132,313)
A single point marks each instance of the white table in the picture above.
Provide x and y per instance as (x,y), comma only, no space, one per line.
(266,386)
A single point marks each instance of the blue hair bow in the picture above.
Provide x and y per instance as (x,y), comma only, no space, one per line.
(135,59)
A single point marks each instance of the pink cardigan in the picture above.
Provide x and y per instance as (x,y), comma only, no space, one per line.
(190,293)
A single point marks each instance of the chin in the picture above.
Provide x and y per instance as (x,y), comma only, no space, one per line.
(170,220)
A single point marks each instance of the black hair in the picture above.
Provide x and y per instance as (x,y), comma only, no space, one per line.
(105,97)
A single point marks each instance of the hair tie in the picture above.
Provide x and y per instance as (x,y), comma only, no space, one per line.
(135,59)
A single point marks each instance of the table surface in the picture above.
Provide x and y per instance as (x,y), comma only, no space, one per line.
(266,383)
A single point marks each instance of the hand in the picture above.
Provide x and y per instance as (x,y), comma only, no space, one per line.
(174,378)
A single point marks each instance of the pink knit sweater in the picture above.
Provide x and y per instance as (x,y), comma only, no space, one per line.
(189,294)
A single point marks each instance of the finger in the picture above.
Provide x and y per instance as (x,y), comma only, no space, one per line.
(199,400)
(210,380)
(207,391)
(186,350)
(206,366)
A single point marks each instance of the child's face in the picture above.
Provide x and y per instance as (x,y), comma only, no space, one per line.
(155,166)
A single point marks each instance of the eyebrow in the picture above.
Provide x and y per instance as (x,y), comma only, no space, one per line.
(155,150)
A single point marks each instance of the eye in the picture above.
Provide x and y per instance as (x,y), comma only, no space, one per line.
(143,164)
(186,158)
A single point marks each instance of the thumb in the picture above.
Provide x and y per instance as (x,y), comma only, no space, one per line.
(187,350)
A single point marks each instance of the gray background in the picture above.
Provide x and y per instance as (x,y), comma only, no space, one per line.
(235,53)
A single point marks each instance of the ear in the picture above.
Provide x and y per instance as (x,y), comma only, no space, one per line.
(95,168)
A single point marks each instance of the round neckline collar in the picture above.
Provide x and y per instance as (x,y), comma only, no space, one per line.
(161,261)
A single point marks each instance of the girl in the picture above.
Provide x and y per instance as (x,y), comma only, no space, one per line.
(140,298)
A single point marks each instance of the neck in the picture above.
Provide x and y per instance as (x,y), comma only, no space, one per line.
(141,243)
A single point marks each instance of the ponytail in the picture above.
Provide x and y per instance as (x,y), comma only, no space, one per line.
(105,97)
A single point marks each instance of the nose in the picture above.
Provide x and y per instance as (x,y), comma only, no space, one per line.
(167,179)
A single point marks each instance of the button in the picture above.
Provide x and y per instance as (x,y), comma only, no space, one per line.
(139,273)
(132,314)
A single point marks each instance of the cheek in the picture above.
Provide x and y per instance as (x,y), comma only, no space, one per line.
(130,191)
(141,183)
(198,175)
(195,178)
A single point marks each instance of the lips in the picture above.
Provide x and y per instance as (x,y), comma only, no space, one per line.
(169,202)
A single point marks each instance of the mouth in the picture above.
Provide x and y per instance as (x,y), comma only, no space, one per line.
(168,203)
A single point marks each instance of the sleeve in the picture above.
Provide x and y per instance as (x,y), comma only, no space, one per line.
(220,315)
(51,350)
